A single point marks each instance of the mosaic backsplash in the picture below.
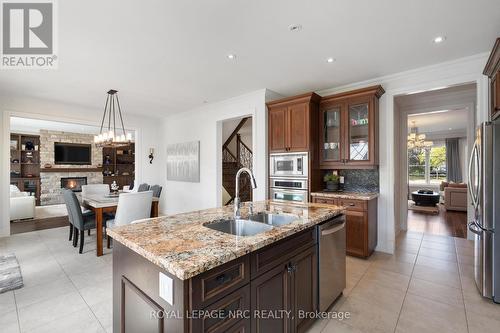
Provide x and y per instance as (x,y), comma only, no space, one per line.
(360,180)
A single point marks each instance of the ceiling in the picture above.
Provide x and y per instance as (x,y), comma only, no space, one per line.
(28,125)
(441,121)
(169,56)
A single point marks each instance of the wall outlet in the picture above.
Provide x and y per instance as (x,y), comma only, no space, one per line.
(166,288)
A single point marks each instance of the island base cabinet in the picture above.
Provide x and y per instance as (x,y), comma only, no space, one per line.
(284,294)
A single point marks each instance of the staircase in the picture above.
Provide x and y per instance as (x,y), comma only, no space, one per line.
(232,162)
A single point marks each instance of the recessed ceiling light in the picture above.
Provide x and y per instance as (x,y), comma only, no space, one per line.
(295,27)
(439,39)
(330,60)
(231,56)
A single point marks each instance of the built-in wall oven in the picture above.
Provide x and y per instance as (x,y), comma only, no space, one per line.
(289,177)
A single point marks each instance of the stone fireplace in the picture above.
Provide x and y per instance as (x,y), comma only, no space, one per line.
(73,183)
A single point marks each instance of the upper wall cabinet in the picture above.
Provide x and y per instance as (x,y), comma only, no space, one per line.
(348,129)
(292,123)
(492,70)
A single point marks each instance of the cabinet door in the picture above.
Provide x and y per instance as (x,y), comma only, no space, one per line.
(331,135)
(360,135)
(278,129)
(356,237)
(298,127)
(495,96)
(270,292)
(305,287)
(325,201)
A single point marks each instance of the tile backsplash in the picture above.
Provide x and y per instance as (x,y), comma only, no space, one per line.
(358,180)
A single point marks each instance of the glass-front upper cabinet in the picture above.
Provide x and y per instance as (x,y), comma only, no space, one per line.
(359,132)
(349,129)
(331,134)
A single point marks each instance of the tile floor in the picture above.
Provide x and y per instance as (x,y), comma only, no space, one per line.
(426,286)
(63,291)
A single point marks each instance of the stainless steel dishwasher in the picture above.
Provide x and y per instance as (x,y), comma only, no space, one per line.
(331,261)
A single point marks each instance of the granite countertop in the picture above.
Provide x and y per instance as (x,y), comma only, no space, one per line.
(182,246)
(347,195)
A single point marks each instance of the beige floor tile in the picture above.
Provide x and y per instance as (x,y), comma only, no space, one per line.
(447,247)
(476,304)
(392,265)
(482,324)
(467,251)
(438,254)
(438,264)
(41,292)
(468,284)
(97,293)
(438,276)
(465,259)
(7,302)
(82,321)
(408,241)
(366,317)
(462,242)
(8,322)
(409,248)
(379,295)
(411,234)
(104,313)
(318,326)
(385,279)
(40,313)
(466,270)
(438,239)
(420,314)
(436,292)
(337,326)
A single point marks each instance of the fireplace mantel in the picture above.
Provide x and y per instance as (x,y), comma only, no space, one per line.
(70,169)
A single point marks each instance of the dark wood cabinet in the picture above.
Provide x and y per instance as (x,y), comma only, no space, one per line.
(25,163)
(119,165)
(278,280)
(348,129)
(492,70)
(290,122)
(271,292)
(361,224)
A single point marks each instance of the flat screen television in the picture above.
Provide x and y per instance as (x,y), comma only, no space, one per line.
(72,153)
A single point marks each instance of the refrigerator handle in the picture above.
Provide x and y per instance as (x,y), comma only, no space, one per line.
(470,180)
(473,227)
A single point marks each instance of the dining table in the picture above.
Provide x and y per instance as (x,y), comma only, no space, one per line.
(104,203)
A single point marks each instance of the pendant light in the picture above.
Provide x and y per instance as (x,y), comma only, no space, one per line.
(111,137)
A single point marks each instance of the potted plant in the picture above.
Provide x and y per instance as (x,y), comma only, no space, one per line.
(332,181)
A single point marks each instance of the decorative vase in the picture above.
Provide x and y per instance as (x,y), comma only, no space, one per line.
(332,186)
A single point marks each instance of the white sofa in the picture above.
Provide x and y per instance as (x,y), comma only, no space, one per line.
(22,205)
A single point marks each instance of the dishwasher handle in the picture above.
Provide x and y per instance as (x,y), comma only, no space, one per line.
(333,230)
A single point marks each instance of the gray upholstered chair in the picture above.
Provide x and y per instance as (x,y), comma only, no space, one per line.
(131,207)
(143,187)
(156,190)
(79,222)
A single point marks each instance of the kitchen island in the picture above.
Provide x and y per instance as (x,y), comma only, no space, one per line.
(175,274)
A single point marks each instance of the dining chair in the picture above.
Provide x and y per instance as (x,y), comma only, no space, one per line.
(156,190)
(131,207)
(79,220)
(143,187)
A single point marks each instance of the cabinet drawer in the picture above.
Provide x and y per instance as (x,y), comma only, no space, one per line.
(359,205)
(275,254)
(325,201)
(226,315)
(214,284)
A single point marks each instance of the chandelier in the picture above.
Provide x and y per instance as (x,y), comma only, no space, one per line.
(110,137)
(416,140)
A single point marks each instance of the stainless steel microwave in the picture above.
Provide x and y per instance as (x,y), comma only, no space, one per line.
(288,164)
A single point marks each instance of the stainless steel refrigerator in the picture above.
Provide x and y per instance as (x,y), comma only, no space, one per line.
(484,188)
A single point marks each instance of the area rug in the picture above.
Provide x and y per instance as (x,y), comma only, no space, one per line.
(423,209)
(10,273)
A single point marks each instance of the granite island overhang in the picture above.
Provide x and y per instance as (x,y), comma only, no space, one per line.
(168,269)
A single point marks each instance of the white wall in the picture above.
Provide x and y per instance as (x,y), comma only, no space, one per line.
(148,132)
(455,72)
(205,125)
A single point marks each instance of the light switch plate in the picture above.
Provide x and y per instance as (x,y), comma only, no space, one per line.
(166,288)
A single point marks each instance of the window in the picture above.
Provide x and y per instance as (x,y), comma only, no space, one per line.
(427,166)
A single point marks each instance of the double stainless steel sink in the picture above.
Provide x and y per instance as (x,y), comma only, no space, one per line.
(255,224)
